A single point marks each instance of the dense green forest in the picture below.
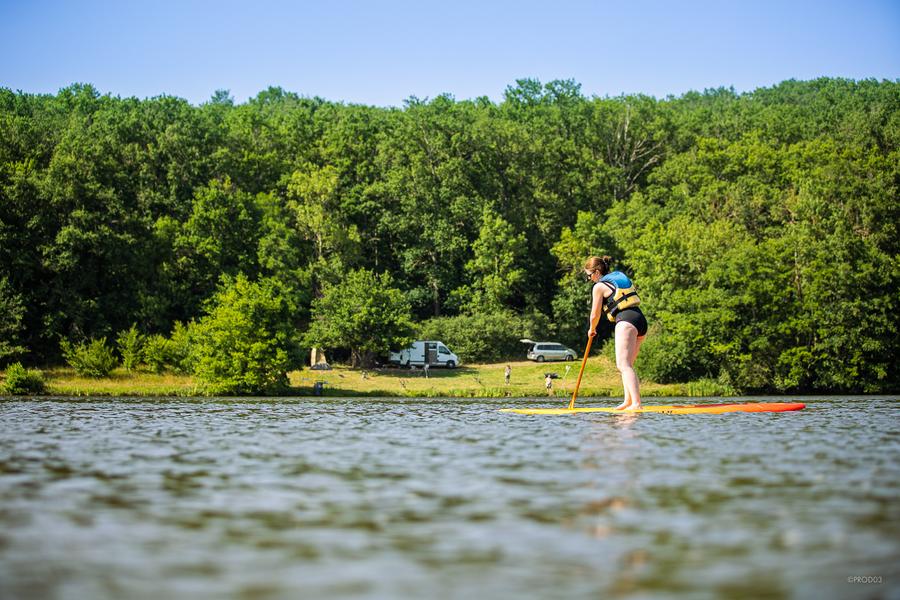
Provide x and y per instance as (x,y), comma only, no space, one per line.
(761,228)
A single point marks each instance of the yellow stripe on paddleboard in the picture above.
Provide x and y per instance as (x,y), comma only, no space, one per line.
(574,411)
(695,409)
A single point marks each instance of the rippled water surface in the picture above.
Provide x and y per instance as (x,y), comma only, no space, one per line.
(445,499)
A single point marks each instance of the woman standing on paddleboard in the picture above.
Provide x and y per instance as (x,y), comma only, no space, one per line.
(614,294)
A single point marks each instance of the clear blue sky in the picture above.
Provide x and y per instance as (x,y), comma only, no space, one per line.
(382,52)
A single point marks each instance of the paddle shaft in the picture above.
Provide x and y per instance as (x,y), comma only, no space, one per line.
(587,351)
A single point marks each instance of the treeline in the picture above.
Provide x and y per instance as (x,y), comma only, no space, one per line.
(761,228)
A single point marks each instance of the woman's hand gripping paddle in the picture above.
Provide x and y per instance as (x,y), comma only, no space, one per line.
(587,351)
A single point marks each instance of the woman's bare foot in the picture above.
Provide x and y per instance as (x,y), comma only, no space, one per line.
(622,406)
(633,406)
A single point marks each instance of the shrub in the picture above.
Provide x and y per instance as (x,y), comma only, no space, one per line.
(157,353)
(131,347)
(173,353)
(21,381)
(246,343)
(91,359)
(676,351)
(181,359)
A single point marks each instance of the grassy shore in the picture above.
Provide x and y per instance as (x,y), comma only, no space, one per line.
(487,380)
(469,381)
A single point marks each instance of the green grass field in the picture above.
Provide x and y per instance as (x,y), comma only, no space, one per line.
(469,381)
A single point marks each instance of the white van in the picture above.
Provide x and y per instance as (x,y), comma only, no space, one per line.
(435,353)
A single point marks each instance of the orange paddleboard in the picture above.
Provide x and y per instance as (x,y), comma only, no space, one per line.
(689,409)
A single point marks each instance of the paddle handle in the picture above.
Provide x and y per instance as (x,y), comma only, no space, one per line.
(587,351)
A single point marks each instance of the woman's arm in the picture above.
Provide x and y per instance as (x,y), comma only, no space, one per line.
(598,293)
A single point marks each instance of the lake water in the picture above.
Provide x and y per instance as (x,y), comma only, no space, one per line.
(363,498)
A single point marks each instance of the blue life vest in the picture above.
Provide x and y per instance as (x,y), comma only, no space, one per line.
(623,296)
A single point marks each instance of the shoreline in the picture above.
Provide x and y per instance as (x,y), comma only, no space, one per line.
(601,380)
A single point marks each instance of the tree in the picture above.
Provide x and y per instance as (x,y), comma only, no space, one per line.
(245,344)
(631,134)
(497,268)
(11,312)
(220,237)
(312,193)
(282,253)
(364,313)
(116,211)
(427,164)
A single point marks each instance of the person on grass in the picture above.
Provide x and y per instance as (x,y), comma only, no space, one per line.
(613,293)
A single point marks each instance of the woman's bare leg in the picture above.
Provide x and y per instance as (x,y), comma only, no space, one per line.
(627,346)
(635,351)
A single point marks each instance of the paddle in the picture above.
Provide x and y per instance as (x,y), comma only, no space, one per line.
(587,351)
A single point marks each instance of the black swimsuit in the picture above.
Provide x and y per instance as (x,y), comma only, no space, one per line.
(635,317)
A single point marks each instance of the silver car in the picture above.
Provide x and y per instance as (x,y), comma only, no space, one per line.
(542,351)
